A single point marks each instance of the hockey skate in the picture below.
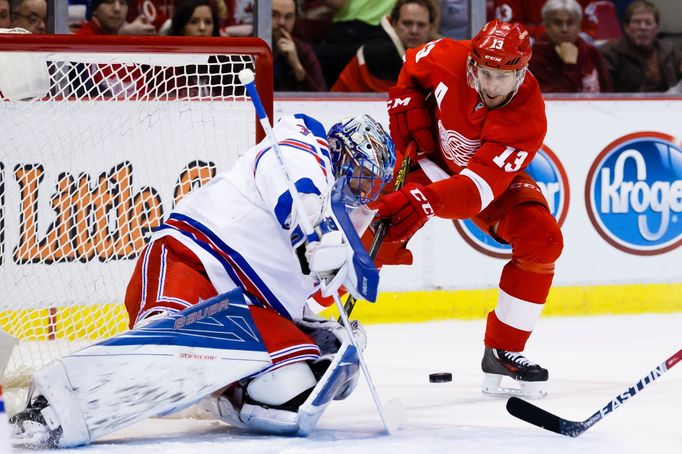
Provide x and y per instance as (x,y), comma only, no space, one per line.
(36,426)
(496,364)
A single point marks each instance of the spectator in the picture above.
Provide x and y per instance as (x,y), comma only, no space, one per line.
(354,23)
(196,18)
(639,61)
(376,65)
(215,78)
(113,79)
(108,17)
(296,67)
(29,15)
(562,61)
(529,12)
(4,14)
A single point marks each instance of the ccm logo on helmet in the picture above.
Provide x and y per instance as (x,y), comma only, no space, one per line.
(426,206)
(634,193)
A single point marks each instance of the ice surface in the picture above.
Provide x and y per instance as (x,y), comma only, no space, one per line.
(591,360)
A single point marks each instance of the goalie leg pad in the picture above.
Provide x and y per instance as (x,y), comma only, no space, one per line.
(39,425)
(281,385)
(153,370)
(271,400)
(336,383)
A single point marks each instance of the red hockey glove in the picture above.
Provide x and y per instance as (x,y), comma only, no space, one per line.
(409,119)
(390,252)
(408,209)
(393,253)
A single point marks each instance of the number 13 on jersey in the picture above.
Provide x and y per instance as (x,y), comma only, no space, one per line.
(505,160)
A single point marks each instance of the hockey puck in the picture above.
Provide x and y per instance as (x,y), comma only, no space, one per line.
(440,377)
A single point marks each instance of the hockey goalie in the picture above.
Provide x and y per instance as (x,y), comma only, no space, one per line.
(217,299)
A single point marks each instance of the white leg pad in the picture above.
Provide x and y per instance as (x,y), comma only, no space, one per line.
(53,383)
(269,420)
(281,385)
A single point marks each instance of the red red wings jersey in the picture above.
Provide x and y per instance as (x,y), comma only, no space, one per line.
(495,144)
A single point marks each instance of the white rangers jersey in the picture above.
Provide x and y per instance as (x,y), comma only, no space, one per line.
(238,223)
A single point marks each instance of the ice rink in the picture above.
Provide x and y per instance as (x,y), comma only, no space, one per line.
(591,360)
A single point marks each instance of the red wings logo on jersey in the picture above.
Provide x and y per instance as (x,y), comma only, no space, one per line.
(455,146)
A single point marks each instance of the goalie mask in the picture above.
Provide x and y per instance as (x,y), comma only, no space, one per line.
(364,153)
(498,62)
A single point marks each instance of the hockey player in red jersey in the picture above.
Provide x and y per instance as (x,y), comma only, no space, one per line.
(478,118)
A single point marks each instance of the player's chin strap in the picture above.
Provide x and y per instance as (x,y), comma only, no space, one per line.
(391,419)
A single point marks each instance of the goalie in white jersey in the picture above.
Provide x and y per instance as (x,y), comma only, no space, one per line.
(239,231)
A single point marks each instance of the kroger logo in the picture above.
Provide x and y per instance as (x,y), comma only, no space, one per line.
(549,174)
(634,193)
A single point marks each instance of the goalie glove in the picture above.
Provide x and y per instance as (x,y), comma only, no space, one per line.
(329,334)
(330,259)
(327,256)
(409,119)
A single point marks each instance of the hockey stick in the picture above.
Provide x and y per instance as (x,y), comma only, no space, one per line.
(392,414)
(384,224)
(541,418)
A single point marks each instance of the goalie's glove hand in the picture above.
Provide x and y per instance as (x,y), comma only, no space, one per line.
(329,334)
(407,209)
(408,119)
(327,256)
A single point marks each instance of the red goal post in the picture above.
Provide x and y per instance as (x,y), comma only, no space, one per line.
(101,136)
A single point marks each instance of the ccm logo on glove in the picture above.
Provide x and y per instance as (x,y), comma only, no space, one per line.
(426,206)
(397,102)
(409,119)
(408,210)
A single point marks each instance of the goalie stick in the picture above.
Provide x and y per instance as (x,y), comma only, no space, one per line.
(393,413)
(542,418)
(384,224)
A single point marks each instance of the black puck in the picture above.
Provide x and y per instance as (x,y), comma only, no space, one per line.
(440,377)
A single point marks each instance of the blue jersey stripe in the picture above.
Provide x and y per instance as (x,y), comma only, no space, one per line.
(285,202)
(270,297)
(299,145)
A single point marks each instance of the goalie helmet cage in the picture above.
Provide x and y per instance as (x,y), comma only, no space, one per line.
(101,136)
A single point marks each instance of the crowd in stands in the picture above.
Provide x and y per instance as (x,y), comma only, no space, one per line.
(587,46)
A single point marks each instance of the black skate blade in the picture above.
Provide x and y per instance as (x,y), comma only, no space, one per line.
(534,415)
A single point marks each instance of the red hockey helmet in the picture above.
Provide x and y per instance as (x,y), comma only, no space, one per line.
(501,45)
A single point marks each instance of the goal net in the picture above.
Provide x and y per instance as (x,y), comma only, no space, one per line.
(101,136)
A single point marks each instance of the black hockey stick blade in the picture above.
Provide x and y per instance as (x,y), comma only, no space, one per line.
(542,418)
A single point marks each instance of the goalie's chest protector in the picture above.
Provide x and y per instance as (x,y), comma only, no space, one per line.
(233,222)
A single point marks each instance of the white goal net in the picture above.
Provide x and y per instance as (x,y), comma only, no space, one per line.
(99,141)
